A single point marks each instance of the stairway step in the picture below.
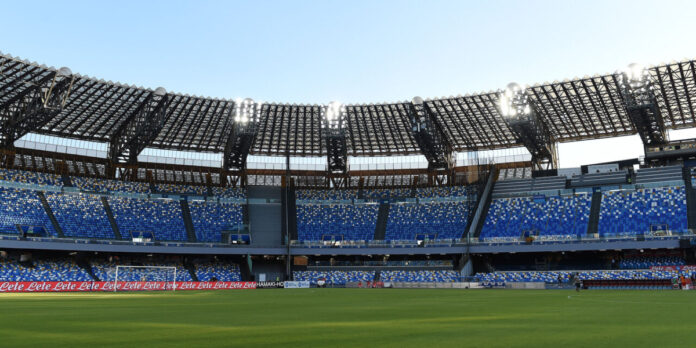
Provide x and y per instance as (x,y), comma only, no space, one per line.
(382,218)
(112,220)
(593,223)
(186,214)
(192,271)
(49,212)
(88,268)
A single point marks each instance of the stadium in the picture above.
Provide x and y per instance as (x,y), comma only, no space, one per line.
(144,216)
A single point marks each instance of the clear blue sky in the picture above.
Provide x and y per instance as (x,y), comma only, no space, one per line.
(349,51)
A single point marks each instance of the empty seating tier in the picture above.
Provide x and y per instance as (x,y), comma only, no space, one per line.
(628,213)
(80,215)
(106,186)
(44,271)
(27,177)
(206,272)
(162,217)
(352,222)
(183,189)
(547,217)
(421,276)
(441,220)
(327,195)
(229,192)
(334,277)
(22,209)
(210,219)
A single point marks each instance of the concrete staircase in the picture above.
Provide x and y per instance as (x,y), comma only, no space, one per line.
(382,218)
(110,215)
(186,214)
(192,270)
(85,265)
(593,223)
(49,212)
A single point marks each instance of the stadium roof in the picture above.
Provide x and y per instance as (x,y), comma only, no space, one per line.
(577,109)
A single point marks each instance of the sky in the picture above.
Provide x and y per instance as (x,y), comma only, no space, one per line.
(352,51)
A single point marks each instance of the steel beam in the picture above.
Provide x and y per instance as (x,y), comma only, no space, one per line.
(32,108)
(140,128)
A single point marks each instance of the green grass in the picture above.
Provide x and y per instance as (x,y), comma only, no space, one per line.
(349,318)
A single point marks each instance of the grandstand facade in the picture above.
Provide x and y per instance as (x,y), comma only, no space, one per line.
(328,204)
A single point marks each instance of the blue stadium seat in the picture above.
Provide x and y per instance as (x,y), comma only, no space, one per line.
(162,217)
(552,276)
(222,272)
(441,192)
(26,177)
(645,262)
(183,189)
(553,218)
(334,277)
(447,220)
(627,213)
(210,219)
(43,270)
(80,215)
(229,192)
(326,195)
(420,276)
(22,207)
(354,222)
(106,186)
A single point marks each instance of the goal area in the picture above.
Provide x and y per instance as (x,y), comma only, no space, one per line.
(140,278)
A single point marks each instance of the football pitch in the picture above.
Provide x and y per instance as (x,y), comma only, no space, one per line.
(350,318)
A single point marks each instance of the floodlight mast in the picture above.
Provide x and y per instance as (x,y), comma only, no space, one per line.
(243,124)
(530,130)
(430,138)
(333,129)
(641,106)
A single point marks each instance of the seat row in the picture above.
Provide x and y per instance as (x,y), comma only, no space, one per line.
(544,217)
(627,213)
(84,216)
(566,276)
(87,184)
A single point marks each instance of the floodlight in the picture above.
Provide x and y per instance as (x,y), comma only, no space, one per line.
(244,110)
(333,114)
(635,84)
(635,71)
(513,101)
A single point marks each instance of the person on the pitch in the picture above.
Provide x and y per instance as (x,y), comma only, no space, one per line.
(578,283)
